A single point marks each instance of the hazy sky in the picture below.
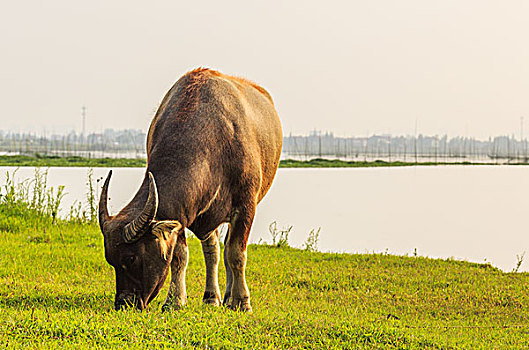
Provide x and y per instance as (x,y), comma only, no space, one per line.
(352,67)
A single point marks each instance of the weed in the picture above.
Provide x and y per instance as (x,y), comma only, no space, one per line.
(91,197)
(76,213)
(279,236)
(519,261)
(28,204)
(33,204)
(53,202)
(311,244)
(39,190)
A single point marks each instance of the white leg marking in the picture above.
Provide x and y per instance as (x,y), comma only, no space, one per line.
(211,250)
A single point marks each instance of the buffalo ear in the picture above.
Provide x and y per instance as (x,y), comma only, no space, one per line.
(163,230)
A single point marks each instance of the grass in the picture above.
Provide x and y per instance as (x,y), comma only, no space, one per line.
(55,161)
(57,290)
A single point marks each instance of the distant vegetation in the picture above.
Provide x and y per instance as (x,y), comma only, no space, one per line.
(55,161)
(56,290)
(337,163)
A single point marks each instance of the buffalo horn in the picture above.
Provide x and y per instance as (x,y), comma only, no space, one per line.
(135,229)
(103,210)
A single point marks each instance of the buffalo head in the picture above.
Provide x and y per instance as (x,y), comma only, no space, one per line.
(139,248)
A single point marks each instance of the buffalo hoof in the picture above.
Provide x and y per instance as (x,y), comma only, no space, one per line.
(226,300)
(240,304)
(172,307)
(211,298)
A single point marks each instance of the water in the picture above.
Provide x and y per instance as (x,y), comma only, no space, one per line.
(474,213)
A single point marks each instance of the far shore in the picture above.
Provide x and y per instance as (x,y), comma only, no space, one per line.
(75,161)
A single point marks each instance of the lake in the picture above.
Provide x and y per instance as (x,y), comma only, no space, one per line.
(474,213)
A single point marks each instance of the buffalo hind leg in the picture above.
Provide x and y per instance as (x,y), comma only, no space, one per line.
(235,254)
(211,250)
(229,274)
(177,297)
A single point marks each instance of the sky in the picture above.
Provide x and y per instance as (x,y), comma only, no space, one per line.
(456,67)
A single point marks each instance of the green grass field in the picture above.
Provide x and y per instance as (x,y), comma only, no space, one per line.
(56,289)
(54,161)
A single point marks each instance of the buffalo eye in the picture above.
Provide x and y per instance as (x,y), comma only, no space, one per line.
(127,261)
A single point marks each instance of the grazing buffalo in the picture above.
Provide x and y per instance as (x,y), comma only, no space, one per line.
(212,152)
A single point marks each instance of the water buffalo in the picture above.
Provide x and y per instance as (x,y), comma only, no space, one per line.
(213,149)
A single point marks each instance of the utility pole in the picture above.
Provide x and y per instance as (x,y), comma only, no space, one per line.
(521,128)
(522,143)
(415,141)
(436,146)
(83,114)
(389,148)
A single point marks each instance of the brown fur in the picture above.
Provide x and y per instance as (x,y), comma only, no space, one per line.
(192,83)
(201,72)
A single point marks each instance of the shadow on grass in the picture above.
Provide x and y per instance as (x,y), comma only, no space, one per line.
(94,302)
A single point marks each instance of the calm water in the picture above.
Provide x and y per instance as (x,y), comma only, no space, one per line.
(475,213)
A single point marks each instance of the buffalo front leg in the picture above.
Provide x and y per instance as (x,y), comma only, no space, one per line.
(211,250)
(235,254)
(177,297)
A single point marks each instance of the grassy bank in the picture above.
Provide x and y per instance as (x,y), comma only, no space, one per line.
(57,290)
(337,163)
(53,161)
